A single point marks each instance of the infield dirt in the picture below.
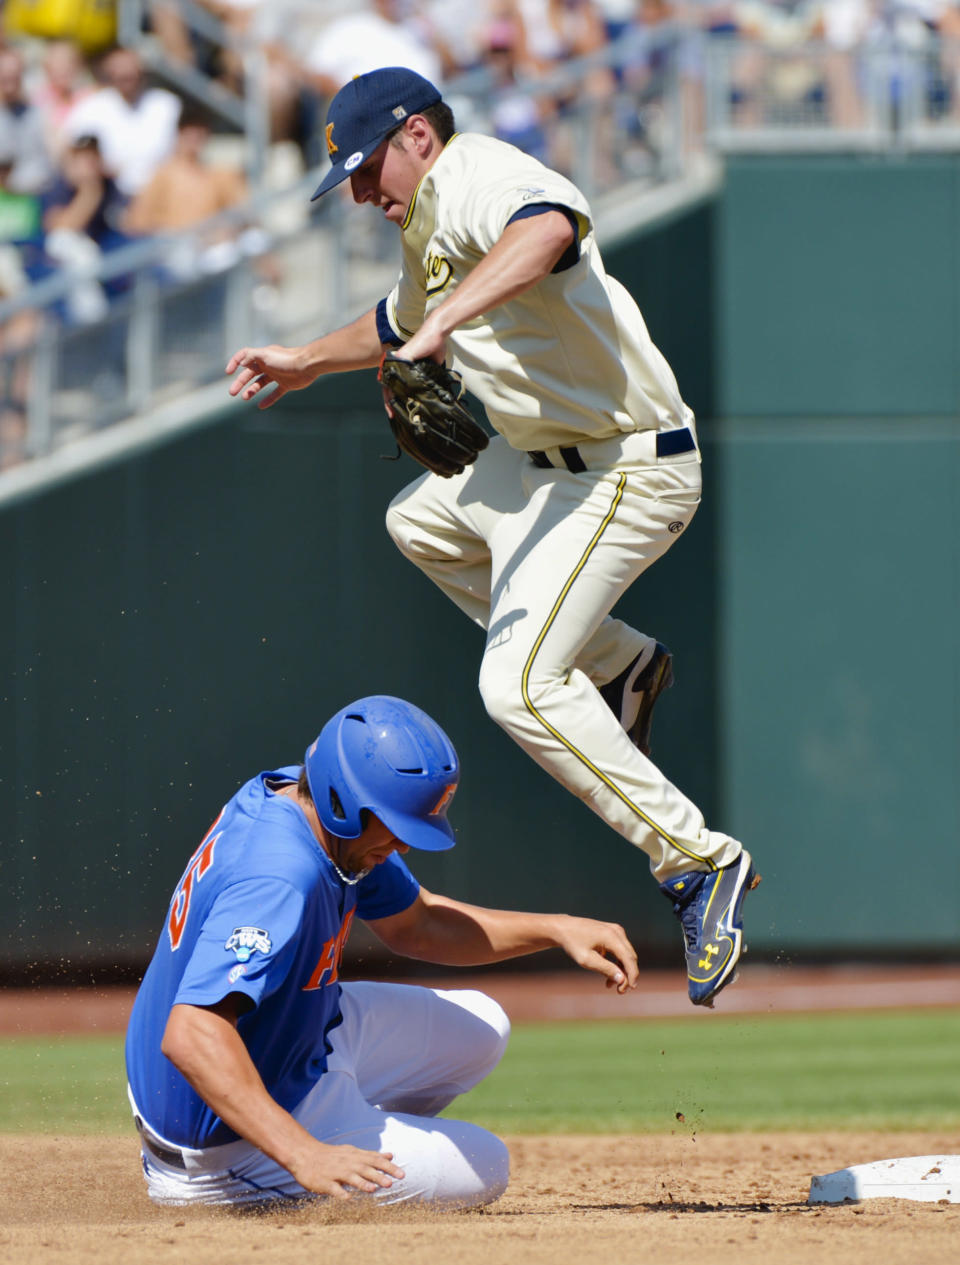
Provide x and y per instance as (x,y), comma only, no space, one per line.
(670,1199)
(720,1199)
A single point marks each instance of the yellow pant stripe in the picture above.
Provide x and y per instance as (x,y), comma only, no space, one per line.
(528,702)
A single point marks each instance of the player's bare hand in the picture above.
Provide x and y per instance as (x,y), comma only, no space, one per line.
(602,947)
(338,1171)
(428,343)
(260,367)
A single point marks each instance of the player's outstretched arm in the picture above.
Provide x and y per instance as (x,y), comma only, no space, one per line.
(203,1044)
(437,929)
(353,346)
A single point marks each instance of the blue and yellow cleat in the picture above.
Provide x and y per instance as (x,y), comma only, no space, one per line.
(632,694)
(709,907)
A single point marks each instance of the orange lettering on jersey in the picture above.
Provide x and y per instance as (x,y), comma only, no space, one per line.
(330,958)
(198,865)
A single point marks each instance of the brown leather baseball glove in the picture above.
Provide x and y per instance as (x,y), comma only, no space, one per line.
(428,420)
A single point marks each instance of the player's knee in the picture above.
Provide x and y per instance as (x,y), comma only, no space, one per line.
(483,1031)
(477,1175)
(408,534)
(514,697)
(454,1165)
(497,1171)
(489,1042)
(399,527)
(502,695)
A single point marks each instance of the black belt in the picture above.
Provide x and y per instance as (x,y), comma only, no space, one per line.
(166,1153)
(670,443)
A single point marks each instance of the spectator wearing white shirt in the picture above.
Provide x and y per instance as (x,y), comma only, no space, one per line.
(22,134)
(360,42)
(617,15)
(136,126)
(456,29)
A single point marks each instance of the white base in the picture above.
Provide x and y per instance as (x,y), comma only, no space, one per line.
(928,1178)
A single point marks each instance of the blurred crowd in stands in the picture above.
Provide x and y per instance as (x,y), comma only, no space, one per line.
(91,158)
(95,151)
(313,48)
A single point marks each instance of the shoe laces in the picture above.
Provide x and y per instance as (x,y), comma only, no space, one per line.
(687,908)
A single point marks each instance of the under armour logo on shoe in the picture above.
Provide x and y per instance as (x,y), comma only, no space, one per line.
(706,962)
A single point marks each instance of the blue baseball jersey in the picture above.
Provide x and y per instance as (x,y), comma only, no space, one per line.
(260,910)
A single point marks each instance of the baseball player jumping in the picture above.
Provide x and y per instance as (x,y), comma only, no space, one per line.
(254,1074)
(593,474)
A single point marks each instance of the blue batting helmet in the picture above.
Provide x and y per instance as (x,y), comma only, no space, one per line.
(387,756)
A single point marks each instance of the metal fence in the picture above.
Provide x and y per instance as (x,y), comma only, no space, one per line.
(886,95)
(178,306)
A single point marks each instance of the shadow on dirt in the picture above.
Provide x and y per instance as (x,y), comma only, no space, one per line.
(679,1205)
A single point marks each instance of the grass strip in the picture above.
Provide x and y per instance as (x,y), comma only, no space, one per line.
(890,1070)
(878,1070)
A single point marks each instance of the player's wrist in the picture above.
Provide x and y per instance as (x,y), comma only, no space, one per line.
(441,322)
(305,357)
(309,360)
(557,929)
(298,1151)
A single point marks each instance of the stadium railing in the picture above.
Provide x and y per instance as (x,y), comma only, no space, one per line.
(887,94)
(294,268)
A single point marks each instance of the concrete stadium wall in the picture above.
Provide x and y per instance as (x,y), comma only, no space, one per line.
(182,620)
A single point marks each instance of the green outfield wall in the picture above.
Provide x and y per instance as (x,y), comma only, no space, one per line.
(192,616)
(837,331)
(837,285)
(180,620)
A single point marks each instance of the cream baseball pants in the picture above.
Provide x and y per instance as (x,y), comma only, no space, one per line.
(401,1054)
(538,557)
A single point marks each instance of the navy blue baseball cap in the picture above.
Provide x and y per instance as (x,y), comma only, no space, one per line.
(367,109)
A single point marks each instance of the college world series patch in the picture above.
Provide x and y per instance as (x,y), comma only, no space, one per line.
(246,940)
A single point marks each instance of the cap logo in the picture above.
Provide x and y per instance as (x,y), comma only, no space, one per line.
(331,144)
(353,161)
(444,800)
(398,112)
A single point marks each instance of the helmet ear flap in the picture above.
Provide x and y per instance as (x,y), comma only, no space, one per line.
(334,799)
(336,807)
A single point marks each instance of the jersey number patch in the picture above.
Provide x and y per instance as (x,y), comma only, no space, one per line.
(200,862)
(330,958)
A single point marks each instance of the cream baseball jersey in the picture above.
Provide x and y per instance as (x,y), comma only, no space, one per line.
(567,360)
